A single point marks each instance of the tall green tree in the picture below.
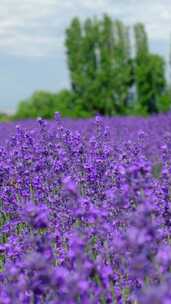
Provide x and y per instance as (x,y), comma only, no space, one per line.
(91,64)
(151,82)
(141,41)
(123,71)
(100,64)
(75,59)
(106,74)
(105,60)
(149,73)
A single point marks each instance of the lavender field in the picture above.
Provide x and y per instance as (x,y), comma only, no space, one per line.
(85,211)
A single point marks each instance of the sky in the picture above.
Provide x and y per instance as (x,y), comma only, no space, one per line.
(32,32)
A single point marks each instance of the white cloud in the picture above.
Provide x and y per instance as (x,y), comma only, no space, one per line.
(155,14)
(36,27)
(25,27)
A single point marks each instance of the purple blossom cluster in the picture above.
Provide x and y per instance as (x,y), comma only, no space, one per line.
(85,211)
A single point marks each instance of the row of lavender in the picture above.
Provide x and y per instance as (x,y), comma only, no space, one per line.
(85,214)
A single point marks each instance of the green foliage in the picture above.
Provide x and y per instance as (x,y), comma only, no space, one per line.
(105,77)
(141,41)
(45,104)
(100,65)
(103,71)
(150,81)
(41,103)
(4,117)
(164,102)
(136,109)
(149,74)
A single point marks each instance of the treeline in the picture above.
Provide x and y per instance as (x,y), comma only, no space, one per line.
(45,104)
(112,71)
(4,117)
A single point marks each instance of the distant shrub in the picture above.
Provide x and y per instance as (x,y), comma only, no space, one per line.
(4,117)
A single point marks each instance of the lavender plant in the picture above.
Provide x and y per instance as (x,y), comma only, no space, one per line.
(85,211)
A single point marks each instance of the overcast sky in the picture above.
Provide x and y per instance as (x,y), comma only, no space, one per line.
(32,55)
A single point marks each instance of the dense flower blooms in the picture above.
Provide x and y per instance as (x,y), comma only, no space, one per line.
(85,211)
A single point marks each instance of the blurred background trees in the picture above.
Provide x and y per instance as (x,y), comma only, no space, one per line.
(112,72)
(4,117)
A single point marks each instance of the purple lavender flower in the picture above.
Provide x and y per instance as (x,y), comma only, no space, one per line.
(85,209)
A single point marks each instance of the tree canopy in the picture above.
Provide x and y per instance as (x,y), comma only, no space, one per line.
(111,72)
